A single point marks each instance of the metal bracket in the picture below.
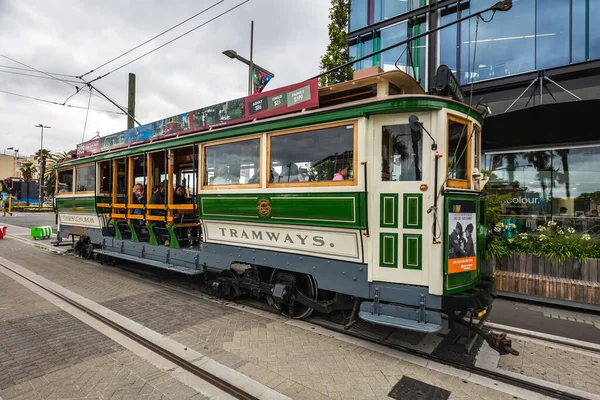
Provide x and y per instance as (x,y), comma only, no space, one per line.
(376,302)
(422,312)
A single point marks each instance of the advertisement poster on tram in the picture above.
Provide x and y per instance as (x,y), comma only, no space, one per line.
(462,236)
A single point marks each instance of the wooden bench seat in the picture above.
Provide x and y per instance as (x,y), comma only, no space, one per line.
(548,286)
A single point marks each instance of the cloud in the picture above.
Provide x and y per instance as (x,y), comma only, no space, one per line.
(72,37)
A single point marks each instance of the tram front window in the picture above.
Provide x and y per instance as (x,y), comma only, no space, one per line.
(233,163)
(401,154)
(86,178)
(458,150)
(65,181)
(312,156)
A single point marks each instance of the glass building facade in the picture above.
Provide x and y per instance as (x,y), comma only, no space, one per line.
(533,35)
(548,181)
(536,186)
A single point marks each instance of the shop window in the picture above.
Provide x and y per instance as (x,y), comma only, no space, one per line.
(401,153)
(232,163)
(458,153)
(308,157)
(65,182)
(85,178)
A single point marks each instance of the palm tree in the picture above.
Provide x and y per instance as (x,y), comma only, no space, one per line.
(42,156)
(50,175)
(542,162)
(28,170)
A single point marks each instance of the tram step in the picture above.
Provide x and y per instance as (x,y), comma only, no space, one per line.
(158,264)
(401,317)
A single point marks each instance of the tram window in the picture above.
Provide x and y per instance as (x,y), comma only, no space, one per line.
(233,163)
(312,156)
(121,177)
(401,154)
(458,150)
(85,178)
(65,181)
(105,178)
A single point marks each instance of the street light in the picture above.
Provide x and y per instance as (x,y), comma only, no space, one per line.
(233,54)
(41,199)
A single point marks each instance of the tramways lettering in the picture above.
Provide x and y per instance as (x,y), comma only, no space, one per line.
(274,237)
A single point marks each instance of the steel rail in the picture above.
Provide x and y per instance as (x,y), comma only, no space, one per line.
(188,366)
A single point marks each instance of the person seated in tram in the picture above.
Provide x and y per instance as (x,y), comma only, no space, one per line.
(158,197)
(293,174)
(138,198)
(222,177)
(341,174)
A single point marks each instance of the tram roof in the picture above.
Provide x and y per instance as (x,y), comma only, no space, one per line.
(370,93)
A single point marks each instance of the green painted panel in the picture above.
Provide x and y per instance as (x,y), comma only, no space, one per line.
(413,211)
(103,200)
(412,252)
(459,282)
(85,204)
(388,210)
(404,105)
(344,210)
(388,250)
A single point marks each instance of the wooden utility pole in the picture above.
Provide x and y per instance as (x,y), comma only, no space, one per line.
(131,101)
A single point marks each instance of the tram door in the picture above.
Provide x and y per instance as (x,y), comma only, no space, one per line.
(398,210)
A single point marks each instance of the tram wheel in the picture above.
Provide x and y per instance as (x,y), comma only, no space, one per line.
(305,284)
(234,291)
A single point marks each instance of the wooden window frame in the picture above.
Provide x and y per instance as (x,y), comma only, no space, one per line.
(56,184)
(459,183)
(204,186)
(355,166)
(75,179)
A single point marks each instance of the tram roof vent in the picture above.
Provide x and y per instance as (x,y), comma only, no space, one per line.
(369,83)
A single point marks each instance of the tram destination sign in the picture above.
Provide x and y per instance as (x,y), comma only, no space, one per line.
(280,101)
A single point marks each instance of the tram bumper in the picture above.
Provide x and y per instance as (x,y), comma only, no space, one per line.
(478,298)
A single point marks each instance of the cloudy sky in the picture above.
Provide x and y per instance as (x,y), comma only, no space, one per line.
(74,36)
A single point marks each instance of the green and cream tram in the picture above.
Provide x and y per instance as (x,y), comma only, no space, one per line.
(367,192)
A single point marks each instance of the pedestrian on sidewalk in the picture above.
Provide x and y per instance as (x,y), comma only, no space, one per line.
(4,204)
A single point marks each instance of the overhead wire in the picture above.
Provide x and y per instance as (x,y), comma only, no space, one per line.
(33,76)
(29,69)
(151,39)
(170,41)
(86,116)
(59,104)
(77,88)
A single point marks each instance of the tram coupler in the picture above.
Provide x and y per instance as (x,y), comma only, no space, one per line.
(496,341)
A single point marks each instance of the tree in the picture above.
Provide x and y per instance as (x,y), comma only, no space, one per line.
(27,170)
(50,175)
(337,51)
(42,156)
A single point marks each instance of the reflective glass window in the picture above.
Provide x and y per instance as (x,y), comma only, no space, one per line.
(65,181)
(594,29)
(385,9)
(552,33)
(236,163)
(86,179)
(358,14)
(312,156)
(458,150)
(448,43)
(401,154)
(390,36)
(578,31)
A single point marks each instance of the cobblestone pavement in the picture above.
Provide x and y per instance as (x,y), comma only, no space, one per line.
(296,362)
(579,370)
(45,353)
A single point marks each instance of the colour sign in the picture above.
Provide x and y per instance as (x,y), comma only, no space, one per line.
(462,238)
(261,105)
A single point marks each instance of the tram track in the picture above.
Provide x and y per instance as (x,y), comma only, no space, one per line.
(335,327)
(197,371)
(171,281)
